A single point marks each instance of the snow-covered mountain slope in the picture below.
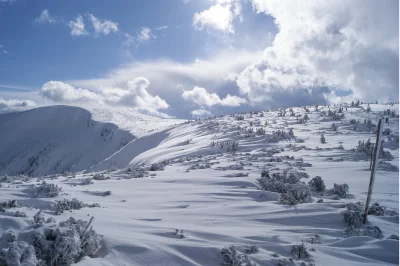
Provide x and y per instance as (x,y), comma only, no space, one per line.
(57,139)
(204,186)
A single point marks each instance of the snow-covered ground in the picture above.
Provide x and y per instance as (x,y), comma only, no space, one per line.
(180,194)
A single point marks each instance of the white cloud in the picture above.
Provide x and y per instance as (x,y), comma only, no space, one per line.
(202,97)
(162,28)
(104,27)
(77,27)
(62,92)
(133,94)
(323,46)
(45,18)
(170,78)
(219,16)
(201,113)
(145,34)
(14,104)
(129,40)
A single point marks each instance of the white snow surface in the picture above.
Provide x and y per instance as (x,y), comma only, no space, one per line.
(211,196)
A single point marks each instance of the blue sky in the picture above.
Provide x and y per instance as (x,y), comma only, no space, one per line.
(181,57)
(47,51)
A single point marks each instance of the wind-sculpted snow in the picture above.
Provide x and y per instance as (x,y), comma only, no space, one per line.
(255,188)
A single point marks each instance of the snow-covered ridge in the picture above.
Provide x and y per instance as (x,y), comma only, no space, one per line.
(55,139)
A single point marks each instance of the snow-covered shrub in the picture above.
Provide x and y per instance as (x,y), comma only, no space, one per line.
(287,199)
(157,167)
(12,179)
(371,231)
(86,181)
(251,249)
(376,209)
(232,146)
(66,243)
(106,193)
(353,215)
(18,253)
(387,131)
(320,201)
(38,218)
(288,184)
(322,139)
(300,192)
(317,184)
(74,204)
(260,131)
(47,190)
(8,204)
(20,214)
(340,190)
(300,251)
(100,177)
(66,205)
(231,257)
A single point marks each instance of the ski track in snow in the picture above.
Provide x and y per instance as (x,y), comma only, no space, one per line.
(201,193)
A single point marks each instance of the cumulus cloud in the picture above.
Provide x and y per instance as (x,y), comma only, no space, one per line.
(104,27)
(77,26)
(45,18)
(170,78)
(133,94)
(201,113)
(62,92)
(202,97)
(145,34)
(12,104)
(220,16)
(326,46)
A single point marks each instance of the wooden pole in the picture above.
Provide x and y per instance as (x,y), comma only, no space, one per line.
(87,227)
(373,170)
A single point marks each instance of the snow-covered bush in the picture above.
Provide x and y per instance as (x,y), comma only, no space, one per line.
(288,184)
(18,253)
(353,215)
(387,131)
(74,204)
(8,205)
(20,214)
(38,218)
(317,184)
(86,181)
(47,190)
(340,190)
(376,209)
(12,179)
(287,199)
(300,251)
(231,257)
(278,135)
(65,243)
(157,167)
(100,177)
(251,249)
(322,139)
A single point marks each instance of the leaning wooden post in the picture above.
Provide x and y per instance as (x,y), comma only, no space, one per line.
(87,227)
(373,170)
